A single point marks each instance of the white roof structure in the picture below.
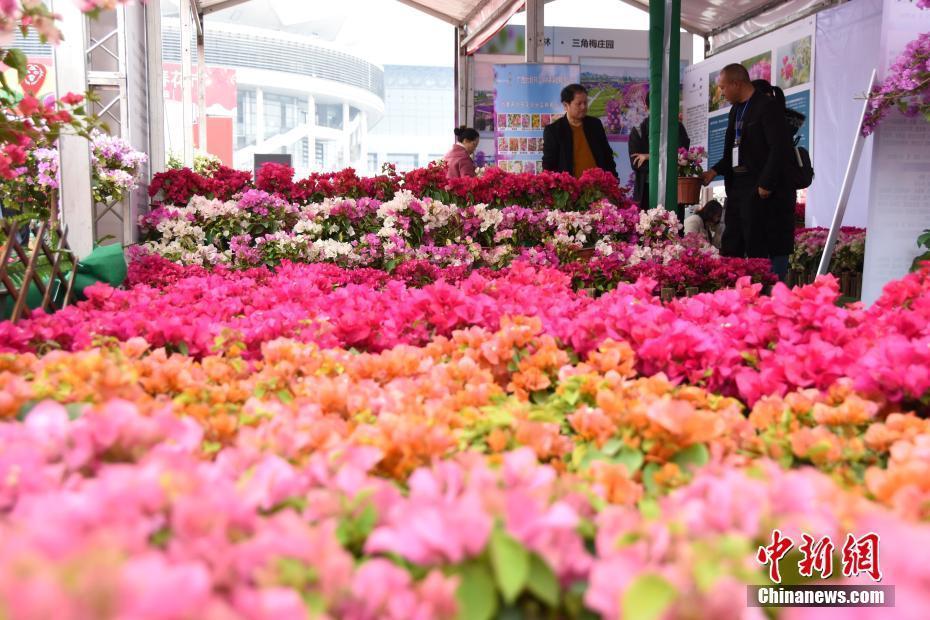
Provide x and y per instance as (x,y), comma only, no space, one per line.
(722,22)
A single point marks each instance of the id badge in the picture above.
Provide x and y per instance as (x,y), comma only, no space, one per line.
(735,156)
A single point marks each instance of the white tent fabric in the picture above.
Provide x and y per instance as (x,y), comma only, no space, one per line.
(723,22)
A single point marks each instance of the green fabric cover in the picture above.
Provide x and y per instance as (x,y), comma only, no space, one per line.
(107,263)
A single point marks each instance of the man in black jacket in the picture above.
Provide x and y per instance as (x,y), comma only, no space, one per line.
(760,204)
(576,142)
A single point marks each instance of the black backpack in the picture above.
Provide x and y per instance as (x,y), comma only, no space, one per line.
(799,171)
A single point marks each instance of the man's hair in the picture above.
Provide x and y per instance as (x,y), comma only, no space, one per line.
(569,92)
(736,73)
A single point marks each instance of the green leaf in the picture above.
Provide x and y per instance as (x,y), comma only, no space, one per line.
(511,563)
(542,582)
(650,509)
(75,410)
(924,239)
(25,409)
(211,447)
(647,598)
(476,594)
(649,477)
(589,456)
(696,454)
(183,348)
(612,447)
(630,458)
(17,60)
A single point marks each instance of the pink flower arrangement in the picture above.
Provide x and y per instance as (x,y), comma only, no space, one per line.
(907,85)
(735,340)
(689,161)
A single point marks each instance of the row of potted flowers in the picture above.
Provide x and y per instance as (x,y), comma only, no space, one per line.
(258,228)
(735,341)
(261,228)
(493,187)
(846,264)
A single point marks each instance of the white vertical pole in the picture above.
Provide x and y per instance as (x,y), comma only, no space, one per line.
(187,94)
(459,76)
(156,78)
(201,88)
(535,31)
(71,76)
(663,130)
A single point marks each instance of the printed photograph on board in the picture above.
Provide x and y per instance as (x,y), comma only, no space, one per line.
(759,67)
(617,96)
(484,110)
(794,63)
(715,100)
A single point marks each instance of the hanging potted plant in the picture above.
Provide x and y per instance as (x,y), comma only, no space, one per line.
(689,174)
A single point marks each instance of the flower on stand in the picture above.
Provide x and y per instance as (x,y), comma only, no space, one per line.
(117,167)
(906,86)
(689,161)
(32,189)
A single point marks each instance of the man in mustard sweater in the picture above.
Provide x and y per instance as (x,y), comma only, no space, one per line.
(576,142)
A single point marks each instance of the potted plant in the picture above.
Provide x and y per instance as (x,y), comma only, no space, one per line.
(689,174)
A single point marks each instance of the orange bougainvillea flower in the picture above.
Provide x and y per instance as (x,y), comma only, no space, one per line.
(614,483)
(592,425)
(613,356)
(818,445)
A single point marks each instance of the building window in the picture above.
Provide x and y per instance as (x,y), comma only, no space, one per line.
(245,118)
(373,163)
(329,115)
(404,161)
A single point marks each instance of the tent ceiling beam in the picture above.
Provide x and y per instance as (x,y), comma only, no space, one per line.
(449,19)
(475,10)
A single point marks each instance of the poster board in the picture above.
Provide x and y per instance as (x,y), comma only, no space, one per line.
(784,57)
(526,99)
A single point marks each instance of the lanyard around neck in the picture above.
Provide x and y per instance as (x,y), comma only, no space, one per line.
(739,118)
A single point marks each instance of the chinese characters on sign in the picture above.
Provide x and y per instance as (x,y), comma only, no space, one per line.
(859,556)
(594,43)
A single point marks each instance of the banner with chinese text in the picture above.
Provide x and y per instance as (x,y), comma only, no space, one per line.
(526,99)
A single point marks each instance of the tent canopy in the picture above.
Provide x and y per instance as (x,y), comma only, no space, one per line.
(721,21)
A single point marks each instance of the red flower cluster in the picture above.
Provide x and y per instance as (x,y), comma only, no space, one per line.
(275,179)
(345,183)
(495,187)
(177,187)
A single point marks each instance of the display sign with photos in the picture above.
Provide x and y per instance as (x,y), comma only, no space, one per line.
(526,100)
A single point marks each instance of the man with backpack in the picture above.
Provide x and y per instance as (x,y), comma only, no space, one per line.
(760,195)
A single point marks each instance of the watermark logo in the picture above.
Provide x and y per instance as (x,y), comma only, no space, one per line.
(859,557)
